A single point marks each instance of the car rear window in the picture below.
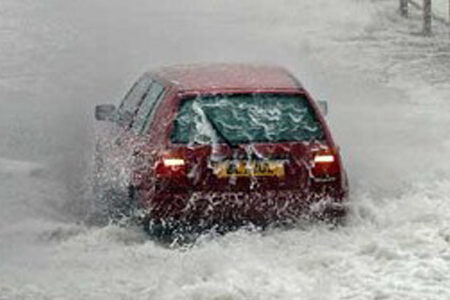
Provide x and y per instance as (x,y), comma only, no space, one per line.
(245,118)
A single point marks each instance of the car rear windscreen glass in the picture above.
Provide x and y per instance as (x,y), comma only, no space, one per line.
(245,118)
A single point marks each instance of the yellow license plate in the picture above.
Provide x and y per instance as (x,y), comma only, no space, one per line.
(249,169)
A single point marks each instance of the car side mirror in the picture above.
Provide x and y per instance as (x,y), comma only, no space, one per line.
(105,112)
(323,106)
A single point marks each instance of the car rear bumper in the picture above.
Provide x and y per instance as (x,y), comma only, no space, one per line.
(257,208)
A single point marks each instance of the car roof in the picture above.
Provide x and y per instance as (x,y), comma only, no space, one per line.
(227,77)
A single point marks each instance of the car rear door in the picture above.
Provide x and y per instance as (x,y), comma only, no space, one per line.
(212,140)
(143,146)
(116,140)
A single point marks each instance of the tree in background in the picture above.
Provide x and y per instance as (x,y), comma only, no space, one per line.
(427,17)
(427,13)
(404,8)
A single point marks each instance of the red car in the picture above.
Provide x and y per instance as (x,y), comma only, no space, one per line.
(221,145)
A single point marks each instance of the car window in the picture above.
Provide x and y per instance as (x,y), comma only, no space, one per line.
(145,111)
(151,117)
(129,106)
(246,118)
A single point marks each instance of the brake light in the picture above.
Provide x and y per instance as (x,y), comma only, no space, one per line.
(171,165)
(324,158)
(173,162)
(325,164)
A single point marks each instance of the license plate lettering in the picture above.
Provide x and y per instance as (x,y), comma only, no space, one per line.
(248,169)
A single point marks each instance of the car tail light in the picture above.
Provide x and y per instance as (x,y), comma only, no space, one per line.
(325,164)
(171,165)
(173,162)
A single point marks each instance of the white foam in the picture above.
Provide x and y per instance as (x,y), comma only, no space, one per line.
(11,167)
